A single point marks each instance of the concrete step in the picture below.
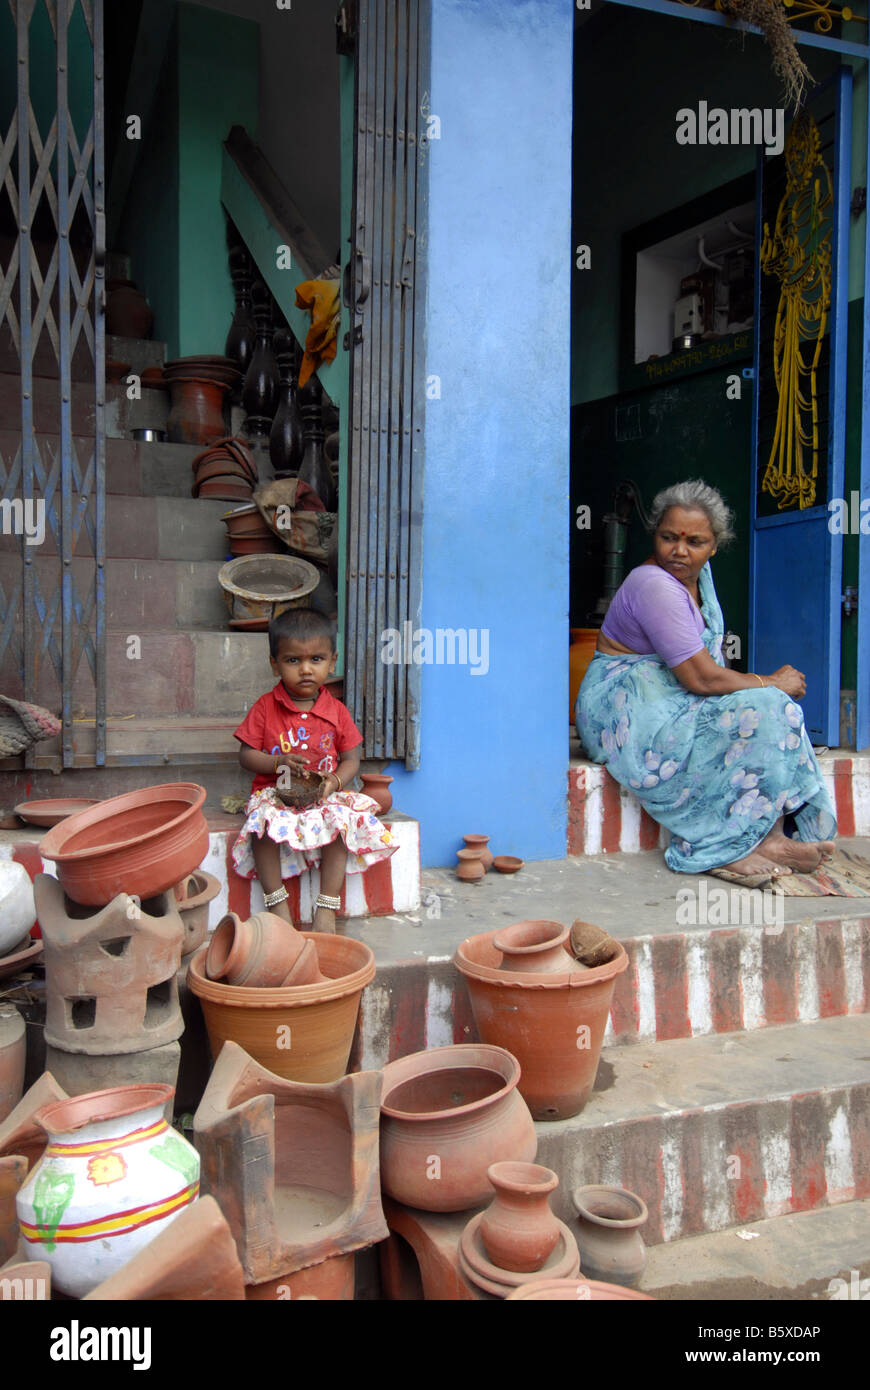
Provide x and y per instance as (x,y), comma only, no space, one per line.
(141,595)
(146,528)
(220,777)
(819,1255)
(132,469)
(715,1132)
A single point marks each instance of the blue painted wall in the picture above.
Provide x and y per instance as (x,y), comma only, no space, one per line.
(495,538)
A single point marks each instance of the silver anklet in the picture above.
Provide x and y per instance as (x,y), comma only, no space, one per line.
(279,896)
(333,904)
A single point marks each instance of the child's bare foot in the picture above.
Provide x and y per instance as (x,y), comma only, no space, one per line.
(324,920)
(282,910)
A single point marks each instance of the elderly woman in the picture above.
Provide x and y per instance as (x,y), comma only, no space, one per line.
(720,758)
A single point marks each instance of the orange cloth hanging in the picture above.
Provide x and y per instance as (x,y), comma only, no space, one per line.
(320,298)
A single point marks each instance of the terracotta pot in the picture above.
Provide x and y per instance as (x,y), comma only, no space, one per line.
(583,643)
(141,843)
(562,1262)
(480,844)
(52,812)
(574,1291)
(470,868)
(13,1049)
(377,786)
(536,947)
(199,891)
(608,1233)
(446,1115)
(507,864)
(128,313)
(518,1230)
(302,1032)
(554,1024)
(224,490)
(196,411)
(113,1176)
(259,952)
(17,910)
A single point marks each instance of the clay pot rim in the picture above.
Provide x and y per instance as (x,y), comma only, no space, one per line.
(95,1107)
(286,996)
(497,1059)
(581,1194)
(479,839)
(379,778)
(468,856)
(52,845)
(534,948)
(600,1292)
(512,1175)
(521,979)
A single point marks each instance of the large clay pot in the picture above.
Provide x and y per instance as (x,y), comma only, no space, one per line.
(196,412)
(13,1048)
(141,843)
(260,952)
(575,1291)
(537,947)
(128,313)
(608,1233)
(518,1229)
(446,1115)
(199,890)
(583,643)
(554,1024)
(17,912)
(302,1032)
(377,786)
(480,844)
(112,1177)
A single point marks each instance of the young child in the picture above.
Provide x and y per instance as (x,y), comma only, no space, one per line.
(294,729)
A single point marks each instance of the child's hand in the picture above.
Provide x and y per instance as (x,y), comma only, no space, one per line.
(296,764)
(328,784)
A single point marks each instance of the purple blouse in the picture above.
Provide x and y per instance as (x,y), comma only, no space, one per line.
(652,611)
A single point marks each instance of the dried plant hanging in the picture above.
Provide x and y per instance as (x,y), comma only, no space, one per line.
(769,16)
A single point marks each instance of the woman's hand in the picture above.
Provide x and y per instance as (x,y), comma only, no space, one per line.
(789,681)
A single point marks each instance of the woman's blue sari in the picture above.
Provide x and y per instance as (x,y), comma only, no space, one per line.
(717,770)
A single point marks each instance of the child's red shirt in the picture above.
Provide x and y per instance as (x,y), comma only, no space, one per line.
(276,724)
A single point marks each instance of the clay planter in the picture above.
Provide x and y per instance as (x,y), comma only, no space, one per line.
(469,868)
(294,1167)
(17,910)
(260,952)
(534,947)
(458,1105)
(200,889)
(128,313)
(377,786)
(141,843)
(113,1176)
(193,1259)
(518,1229)
(301,1032)
(13,1050)
(574,1291)
(554,1024)
(480,844)
(608,1233)
(110,976)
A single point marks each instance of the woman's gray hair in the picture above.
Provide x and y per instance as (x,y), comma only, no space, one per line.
(700,496)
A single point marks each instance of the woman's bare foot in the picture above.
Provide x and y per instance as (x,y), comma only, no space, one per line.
(324,920)
(757,863)
(801,856)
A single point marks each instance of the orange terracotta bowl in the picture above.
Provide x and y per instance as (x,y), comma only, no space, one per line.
(507,864)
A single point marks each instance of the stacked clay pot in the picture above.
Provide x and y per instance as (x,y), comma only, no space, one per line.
(197,387)
(227,471)
(518,1236)
(480,845)
(469,866)
(248,534)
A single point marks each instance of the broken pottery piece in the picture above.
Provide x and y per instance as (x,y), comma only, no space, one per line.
(13,1050)
(19,1132)
(293,1166)
(26,1282)
(110,973)
(199,890)
(113,1176)
(193,1259)
(13,1171)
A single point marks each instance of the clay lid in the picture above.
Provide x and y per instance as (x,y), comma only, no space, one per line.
(65,1116)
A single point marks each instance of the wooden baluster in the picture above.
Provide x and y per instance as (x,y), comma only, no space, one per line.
(242,334)
(286,442)
(260,392)
(314,468)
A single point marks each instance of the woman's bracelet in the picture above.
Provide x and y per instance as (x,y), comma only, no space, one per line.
(759,679)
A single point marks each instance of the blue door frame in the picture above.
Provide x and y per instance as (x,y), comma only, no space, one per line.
(807,38)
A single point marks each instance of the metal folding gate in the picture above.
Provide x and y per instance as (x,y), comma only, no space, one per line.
(391,41)
(52,297)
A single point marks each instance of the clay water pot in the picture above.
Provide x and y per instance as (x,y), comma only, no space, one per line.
(377,786)
(518,1230)
(318,1020)
(553,1023)
(141,843)
(196,411)
(446,1115)
(128,313)
(197,891)
(259,952)
(470,866)
(536,947)
(480,845)
(575,1291)
(608,1233)
(112,1177)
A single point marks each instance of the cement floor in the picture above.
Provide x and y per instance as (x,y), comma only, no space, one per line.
(627,894)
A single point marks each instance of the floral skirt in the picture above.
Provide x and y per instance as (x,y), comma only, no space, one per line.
(717,770)
(301,835)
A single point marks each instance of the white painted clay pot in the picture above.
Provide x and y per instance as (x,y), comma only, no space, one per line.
(113,1176)
(17,913)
